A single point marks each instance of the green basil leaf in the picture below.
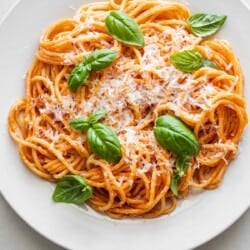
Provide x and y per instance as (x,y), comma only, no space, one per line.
(81,123)
(97,116)
(190,60)
(187,61)
(174,184)
(181,167)
(123,28)
(208,63)
(77,77)
(72,189)
(203,24)
(100,59)
(104,143)
(172,134)
(95,61)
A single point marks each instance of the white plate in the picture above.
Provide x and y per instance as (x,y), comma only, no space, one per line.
(196,220)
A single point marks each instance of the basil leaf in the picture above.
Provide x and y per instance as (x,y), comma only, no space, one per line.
(187,61)
(174,184)
(95,61)
(77,77)
(100,59)
(181,167)
(72,189)
(123,28)
(80,123)
(172,134)
(190,60)
(203,24)
(208,63)
(97,116)
(104,143)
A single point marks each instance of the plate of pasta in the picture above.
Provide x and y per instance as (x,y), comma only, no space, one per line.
(125,120)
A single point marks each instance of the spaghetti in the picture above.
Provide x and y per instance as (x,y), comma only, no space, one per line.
(140,86)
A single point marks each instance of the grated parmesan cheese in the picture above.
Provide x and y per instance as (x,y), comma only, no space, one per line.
(146,83)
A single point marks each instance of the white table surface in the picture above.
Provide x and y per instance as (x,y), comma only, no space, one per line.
(15,234)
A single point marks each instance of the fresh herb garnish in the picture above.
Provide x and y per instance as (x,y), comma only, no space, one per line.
(99,59)
(181,168)
(203,24)
(81,123)
(189,61)
(208,63)
(172,134)
(103,141)
(95,61)
(72,189)
(123,28)
(98,115)
(78,76)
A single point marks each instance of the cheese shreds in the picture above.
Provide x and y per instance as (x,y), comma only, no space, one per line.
(150,82)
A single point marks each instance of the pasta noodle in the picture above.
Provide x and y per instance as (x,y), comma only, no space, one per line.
(140,86)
